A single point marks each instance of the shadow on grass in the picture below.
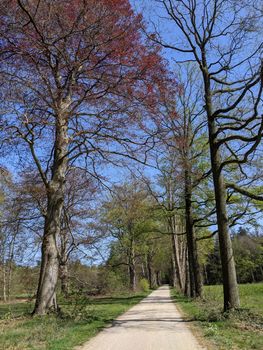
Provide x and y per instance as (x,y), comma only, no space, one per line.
(117,300)
(126,300)
(182,299)
(15,310)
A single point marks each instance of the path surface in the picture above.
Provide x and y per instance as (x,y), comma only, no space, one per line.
(153,324)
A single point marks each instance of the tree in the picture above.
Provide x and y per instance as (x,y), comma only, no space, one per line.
(75,74)
(129,220)
(81,192)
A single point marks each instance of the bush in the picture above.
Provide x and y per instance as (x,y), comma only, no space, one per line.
(144,285)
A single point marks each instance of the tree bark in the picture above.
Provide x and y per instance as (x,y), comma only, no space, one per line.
(46,293)
(132,271)
(63,275)
(183,260)
(4,283)
(173,271)
(193,263)
(187,280)
(9,279)
(158,278)
(132,275)
(150,271)
(177,276)
(230,286)
(10,264)
(63,256)
(231,296)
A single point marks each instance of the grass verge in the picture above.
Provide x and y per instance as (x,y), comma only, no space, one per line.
(241,329)
(80,320)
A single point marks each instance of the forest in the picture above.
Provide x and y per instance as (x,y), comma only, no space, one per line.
(130,158)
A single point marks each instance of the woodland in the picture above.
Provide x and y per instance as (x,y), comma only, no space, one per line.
(130,153)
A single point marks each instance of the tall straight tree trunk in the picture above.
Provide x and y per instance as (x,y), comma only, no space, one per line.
(132,275)
(158,278)
(187,279)
(10,264)
(205,274)
(190,242)
(231,295)
(183,258)
(64,278)
(175,250)
(150,271)
(230,286)
(173,272)
(173,229)
(9,279)
(144,274)
(193,263)
(4,283)
(46,293)
(132,271)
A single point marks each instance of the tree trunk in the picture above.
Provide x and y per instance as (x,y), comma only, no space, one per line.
(193,263)
(173,272)
(150,271)
(144,274)
(187,280)
(10,264)
(4,283)
(132,271)
(63,257)
(9,279)
(178,276)
(63,275)
(158,278)
(230,286)
(173,229)
(132,275)
(183,259)
(46,293)
(205,274)
(231,296)
(177,247)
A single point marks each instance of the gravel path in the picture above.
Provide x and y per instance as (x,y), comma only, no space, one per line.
(153,324)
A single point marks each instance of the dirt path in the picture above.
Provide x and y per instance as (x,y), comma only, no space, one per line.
(153,324)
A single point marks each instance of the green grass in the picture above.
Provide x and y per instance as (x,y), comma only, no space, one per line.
(80,321)
(241,329)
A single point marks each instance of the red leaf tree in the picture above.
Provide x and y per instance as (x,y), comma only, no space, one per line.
(76,77)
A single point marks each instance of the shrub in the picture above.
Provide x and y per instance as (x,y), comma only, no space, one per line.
(144,285)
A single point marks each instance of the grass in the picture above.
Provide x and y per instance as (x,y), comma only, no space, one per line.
(241,329)
(80,321)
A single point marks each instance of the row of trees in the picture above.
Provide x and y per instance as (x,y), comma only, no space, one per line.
(231,90)
(84,89)
(139,248)
(142,246)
